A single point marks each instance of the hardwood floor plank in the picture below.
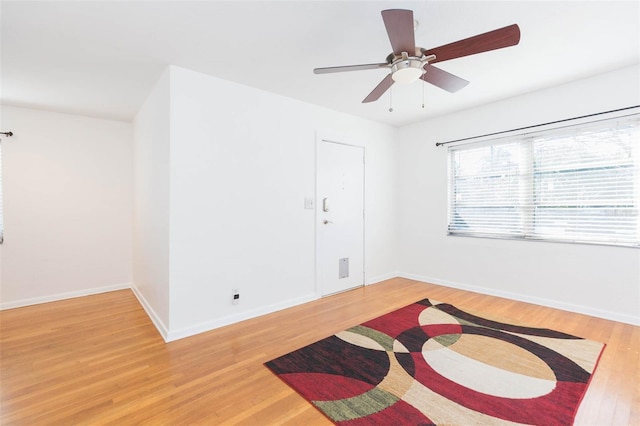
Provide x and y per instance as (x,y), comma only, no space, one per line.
(99,360)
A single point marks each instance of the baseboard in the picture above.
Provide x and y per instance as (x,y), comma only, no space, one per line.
(151,313)
(62,296)
(579,309)
(232,319)
(379,278)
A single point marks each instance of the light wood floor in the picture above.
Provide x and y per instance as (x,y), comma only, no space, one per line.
(99,360)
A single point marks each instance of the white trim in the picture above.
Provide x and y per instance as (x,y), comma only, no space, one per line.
(63,296)
(235,318)
(579,309)
(380,278)
(155,319)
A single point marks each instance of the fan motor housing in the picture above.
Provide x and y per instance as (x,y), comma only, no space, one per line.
(407,69)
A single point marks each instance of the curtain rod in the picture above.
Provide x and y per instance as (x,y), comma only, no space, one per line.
(7,134)
(537,125)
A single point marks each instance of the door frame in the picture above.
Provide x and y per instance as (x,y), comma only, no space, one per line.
(324,137)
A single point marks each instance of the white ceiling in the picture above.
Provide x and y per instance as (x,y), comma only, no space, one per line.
(101,58)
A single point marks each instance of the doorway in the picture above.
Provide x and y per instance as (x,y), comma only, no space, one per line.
(340,217)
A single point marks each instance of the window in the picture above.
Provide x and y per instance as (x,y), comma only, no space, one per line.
(575,184)
(1,210)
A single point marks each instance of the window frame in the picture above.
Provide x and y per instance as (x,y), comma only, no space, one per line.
(1,200)
(527,231)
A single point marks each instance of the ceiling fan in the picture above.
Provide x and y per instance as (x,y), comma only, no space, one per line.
(408,62)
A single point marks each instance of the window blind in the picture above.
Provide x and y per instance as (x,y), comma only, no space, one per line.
(575,184)
(1,209)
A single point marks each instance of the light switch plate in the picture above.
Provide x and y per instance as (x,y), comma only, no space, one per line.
(309,204)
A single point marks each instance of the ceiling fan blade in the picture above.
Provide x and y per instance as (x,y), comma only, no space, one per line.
(382,87)
(399,24)
(443,79)
(492,40)
(328,70)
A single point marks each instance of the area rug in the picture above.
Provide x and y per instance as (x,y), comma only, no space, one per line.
(431,363)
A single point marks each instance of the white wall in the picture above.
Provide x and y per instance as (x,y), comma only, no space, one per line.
(598,280)
(67,188)
(151,149)
(221,173)
(242,162)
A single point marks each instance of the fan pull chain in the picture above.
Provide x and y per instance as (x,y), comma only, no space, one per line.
(422,95)
(390,99)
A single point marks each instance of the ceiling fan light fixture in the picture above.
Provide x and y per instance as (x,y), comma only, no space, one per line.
(407,70)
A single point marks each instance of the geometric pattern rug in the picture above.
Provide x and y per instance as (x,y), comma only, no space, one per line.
(431,363)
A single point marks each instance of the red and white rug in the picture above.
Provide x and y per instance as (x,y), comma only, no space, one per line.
(431,363)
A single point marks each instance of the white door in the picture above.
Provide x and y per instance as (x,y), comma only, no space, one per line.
(340,216)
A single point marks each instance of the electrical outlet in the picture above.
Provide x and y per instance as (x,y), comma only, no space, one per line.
(235,293)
